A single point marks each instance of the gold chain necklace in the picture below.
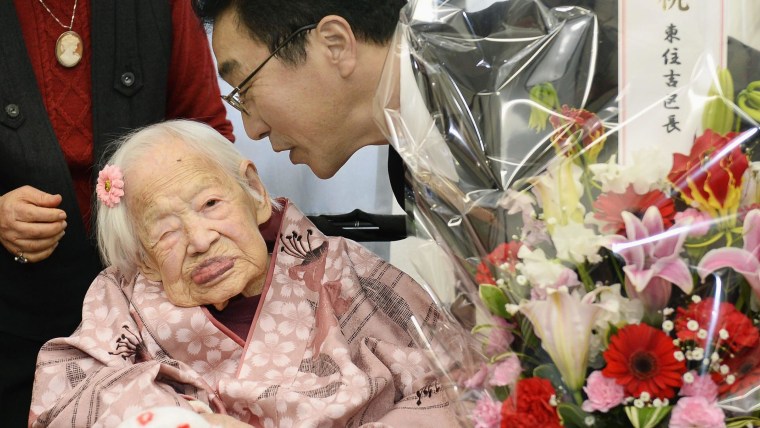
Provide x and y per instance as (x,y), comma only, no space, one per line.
(69,47)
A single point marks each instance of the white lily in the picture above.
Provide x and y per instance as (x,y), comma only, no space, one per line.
(751,187)
(611,175)
(517,202)
(559,190)
(645,172)
(618,310)
(542,273)
(575,243)
(564,322)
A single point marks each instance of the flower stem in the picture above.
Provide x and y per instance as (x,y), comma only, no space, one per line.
(588,282)
(729,239)
(578,397)
(707,242)
(618,269)
(587,187)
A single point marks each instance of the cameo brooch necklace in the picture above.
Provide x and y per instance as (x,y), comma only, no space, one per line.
(69,46)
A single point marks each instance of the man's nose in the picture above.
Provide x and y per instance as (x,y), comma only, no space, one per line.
(200,236)
(255,127)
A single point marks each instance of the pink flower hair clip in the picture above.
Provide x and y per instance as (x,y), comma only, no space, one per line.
(110,187)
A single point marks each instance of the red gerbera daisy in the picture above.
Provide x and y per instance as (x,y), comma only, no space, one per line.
(530,406)
(641,358)
(608,206)
(729,327)
(504,256)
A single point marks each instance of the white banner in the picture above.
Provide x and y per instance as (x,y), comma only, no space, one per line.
(669,51)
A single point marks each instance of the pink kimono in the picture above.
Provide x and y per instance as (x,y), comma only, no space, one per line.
(330,346)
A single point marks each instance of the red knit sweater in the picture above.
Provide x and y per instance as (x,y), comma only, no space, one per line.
(192,90)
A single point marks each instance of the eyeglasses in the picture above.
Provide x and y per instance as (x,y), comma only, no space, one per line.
(234,98)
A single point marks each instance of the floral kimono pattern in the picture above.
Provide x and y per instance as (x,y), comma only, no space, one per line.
(330,346)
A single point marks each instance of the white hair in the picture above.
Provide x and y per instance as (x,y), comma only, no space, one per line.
(117,236)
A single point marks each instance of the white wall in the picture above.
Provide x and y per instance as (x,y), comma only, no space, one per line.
(743,21)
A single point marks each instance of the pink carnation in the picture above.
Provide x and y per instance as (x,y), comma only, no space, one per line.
(110,186)
(500,336)
(477,380)
(697,412)
(703,386)
(603,393)
(697,221)
(487,413)
(506,372)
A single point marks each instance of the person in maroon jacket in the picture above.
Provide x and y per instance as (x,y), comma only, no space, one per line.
(76,74)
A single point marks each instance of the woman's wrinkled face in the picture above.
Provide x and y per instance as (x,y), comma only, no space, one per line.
(198,227)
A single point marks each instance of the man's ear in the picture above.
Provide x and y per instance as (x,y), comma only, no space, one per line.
(335,36)
(264,206)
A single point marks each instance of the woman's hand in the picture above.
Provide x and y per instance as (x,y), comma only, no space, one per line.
(224,421)
(30,223)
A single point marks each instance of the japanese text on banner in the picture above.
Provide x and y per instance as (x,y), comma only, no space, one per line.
(668,56)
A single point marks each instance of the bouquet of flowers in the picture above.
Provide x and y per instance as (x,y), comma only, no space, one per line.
(615,285)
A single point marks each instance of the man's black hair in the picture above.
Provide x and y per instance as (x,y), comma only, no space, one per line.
(271,21)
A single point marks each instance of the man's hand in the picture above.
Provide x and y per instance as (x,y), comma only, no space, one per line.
(30,223)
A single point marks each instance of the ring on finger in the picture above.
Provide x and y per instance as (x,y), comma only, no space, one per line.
(20,258)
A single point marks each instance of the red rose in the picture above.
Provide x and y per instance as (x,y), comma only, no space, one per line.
(529,407)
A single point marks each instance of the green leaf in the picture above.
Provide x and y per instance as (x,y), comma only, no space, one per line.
(743,422)
(646,417)
(530,341)
(480,327)
(501,392)
(550,373)
(495,300)
(572,415)
(611,331)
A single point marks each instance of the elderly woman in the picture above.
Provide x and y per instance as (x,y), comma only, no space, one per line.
(221,301)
